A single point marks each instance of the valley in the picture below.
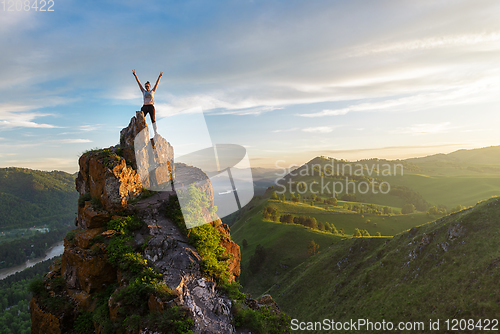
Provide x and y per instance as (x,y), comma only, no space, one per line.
(402,268)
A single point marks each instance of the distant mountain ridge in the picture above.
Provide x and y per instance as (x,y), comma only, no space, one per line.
(481,156)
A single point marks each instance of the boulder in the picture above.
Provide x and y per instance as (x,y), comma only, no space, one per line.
(107,178)
(268,300)
(86,272)
(88,218)
(83,238)
(128,134)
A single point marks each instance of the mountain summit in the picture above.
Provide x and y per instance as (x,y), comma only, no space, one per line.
(131,266)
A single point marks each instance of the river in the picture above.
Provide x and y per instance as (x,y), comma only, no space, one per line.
(56,250)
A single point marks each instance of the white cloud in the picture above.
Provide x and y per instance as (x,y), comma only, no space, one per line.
(70,141)
(490,41)
(11,21)
(247,111)
(483,89)
(285,130)
(90,127)
(25,124)
(427,128)
(328,112)
(394,57)
(319,129)
(16,114)
(269,60)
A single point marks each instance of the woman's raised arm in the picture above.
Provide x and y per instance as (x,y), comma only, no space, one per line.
(157,81)
(138,82)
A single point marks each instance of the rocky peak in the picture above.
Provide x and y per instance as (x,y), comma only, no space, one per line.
(112,183)
(128,135)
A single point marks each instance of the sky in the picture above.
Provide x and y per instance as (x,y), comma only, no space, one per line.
(288,80)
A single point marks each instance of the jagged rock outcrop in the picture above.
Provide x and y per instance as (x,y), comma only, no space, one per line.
(86,269)
(232,249)
(107,182)
(128,134)
(179,263)
(106,176)
(186,175)
(152,158)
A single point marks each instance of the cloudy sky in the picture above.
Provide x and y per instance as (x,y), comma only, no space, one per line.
(289,80)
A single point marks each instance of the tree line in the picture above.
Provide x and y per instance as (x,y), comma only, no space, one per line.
(271,213)
(359,208)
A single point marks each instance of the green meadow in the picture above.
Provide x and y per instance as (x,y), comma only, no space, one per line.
(287,245)
(465,190)
(387,225)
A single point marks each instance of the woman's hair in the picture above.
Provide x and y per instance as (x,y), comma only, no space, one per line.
(147,83)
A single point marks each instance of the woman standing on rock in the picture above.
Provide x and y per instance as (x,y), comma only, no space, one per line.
(149,99)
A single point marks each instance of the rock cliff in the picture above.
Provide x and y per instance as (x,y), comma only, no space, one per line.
(127,267)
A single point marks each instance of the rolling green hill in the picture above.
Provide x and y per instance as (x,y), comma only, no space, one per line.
(443,270)
(31,197)
(387,225)
(423,182)
(447,269)
(287,243)
(481,161)
(451,190)
(479,156)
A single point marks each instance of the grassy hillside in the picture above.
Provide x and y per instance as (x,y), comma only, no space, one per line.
(387,225)
(450,190)
(479,156)
(286,244)
(447,269)
(419,269)
(276,238)
(30,197)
